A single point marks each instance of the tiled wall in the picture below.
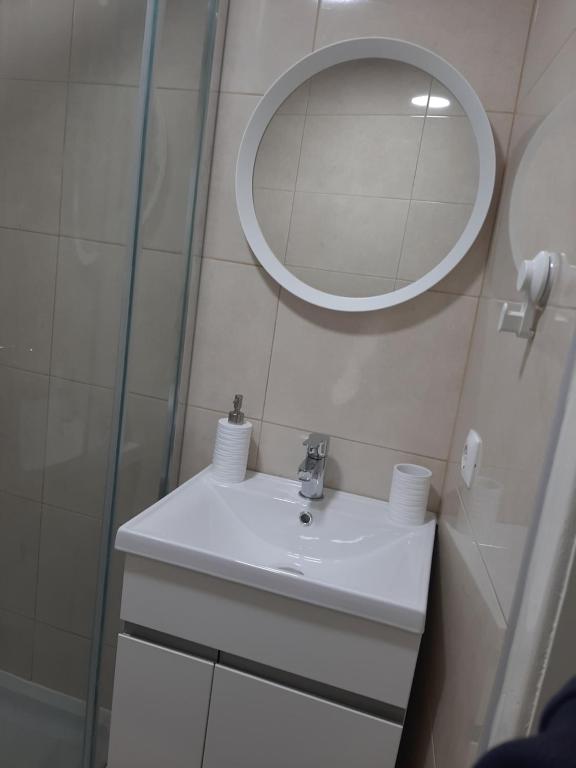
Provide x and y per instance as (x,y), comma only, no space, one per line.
(383,384)
(509,395)
(357,189)
(347,212)
(69,73)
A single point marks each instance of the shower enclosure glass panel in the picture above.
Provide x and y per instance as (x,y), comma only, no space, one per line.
(96,217)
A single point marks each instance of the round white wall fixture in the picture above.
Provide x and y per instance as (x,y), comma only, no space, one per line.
(350,50)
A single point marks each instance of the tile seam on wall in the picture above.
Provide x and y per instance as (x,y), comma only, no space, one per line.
(316,21)
(413,185)
(464,509)
(271,351)
(442,292)
(364,194)
(350,440)
(461,389)
(337,437)
(59,629)
(544,71)
(524,55)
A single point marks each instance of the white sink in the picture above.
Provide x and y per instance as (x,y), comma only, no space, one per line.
(351,558)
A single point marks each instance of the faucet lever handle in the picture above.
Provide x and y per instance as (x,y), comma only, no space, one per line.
(317,445)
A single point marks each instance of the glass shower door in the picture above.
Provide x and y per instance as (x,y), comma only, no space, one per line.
(69,98)
(96,221)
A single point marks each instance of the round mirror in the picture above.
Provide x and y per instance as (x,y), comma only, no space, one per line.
(365,174)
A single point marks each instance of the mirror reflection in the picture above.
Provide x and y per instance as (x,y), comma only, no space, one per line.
(365,177)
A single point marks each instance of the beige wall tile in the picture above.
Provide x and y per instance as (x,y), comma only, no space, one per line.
(23,413)
(533,215)
(466,278)
(368,87)
(265,37)
(181,44)
(77,444)
(555,83)
(274,210)
(156,315)
(16,644)
(67,570)
(385,378)
(170,160)
(199,438)
(484,40)
(506,380)
(276,163)
(233,339)
(143,455)
(19,543)
(297,102)
(537,215)
(35,39)
(107,41)
(89,293)
(353,467)
(98,160)
(364,155)
(465,659)
(224,236)
(31,154)
(28,269)
(343,283)
(553,23)
(448,163)
(361,235)
(61,660)
(432,230)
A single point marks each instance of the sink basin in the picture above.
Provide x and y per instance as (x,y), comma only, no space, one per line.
(341,552)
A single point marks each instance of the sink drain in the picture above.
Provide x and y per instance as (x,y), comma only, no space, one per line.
(305,518)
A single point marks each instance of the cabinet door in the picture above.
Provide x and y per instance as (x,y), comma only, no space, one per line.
(257,724)
(159,707)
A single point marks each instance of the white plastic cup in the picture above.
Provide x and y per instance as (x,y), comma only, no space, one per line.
(409,493)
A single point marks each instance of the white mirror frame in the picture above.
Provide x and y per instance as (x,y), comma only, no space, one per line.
(312,64)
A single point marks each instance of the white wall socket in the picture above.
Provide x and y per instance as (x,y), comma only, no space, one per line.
(471,456)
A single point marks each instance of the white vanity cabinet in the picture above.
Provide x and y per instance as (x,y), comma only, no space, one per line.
(254,723)
(175,710)
(237,655)
(220,675)
(161,699)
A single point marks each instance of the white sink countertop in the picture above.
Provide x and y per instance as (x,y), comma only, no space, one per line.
(351,558)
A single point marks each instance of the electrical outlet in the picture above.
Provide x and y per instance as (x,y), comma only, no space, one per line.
(471,455)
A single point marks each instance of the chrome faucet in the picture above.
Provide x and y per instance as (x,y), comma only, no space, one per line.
(311,471)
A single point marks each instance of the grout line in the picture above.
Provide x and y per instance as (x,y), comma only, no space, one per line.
(278,295)
(82,382)
(410,199)
(548,66)
(41,503)
(525,54)
(481,556)
(362,195)
(461,393)
(263,421)
(316,22)
(99,84)
(444,292)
